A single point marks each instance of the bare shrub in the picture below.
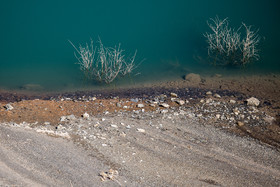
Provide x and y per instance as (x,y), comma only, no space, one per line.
(227,46)
(107,64)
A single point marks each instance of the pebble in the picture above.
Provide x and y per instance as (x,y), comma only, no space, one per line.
(9,107)
(209,100)
(217,96)
(253,101)
(180,102)
(119,105)
(63,118)
(209,93)
(236,111)
(240,124)
(140,105)
(165,105)
(218,116)
(134,100)
(164,111)
(232,101)
(173,94)
(85,115)
(141,130)
(114,126)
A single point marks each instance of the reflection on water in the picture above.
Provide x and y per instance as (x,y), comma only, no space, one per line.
(34,37)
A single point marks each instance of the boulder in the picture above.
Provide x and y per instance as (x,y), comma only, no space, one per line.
(193,78)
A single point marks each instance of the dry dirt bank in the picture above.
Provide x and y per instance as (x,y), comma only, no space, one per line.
(179,134)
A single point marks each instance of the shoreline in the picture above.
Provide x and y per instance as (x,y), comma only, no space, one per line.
(188,125)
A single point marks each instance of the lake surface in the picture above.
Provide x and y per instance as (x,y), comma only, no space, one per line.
(34,36)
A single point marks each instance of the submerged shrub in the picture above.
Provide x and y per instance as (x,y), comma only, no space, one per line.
(103,64)
(229,46)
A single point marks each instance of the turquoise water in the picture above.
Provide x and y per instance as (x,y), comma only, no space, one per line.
(34,36)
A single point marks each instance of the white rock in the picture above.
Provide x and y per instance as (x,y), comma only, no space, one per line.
(217,96)
(209,93)
(173,94)
(140,105)
(209,100)
(253,101)
(165,105)
(163,111)
(180,102)
(141,130)
(85,115)
(9,107)
(63,118)
(232,101)
(218,116)
(114,126)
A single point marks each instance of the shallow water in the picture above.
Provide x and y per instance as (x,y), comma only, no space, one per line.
(168,35)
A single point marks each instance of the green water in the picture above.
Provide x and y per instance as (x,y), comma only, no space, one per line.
(34,35)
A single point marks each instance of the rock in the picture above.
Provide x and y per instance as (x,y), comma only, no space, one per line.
(92,98)
(66,118)
(140,105)
(180,102)
(217,76)
(47,123)
(240,124)
(152,105)
(134,100)
(164,111)
(217,96)
(85,115)
(173,94)
(253,101)
(165,105)
(193,78)
(8,107)
(232,101)
(119,105)
(218,116)
(114,126)
(269,119)
(141,130)
(209,101)
(63,118)
(32,87)
(236,111)
(209,93)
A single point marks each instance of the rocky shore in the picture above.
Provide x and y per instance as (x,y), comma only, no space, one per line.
(153,135)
